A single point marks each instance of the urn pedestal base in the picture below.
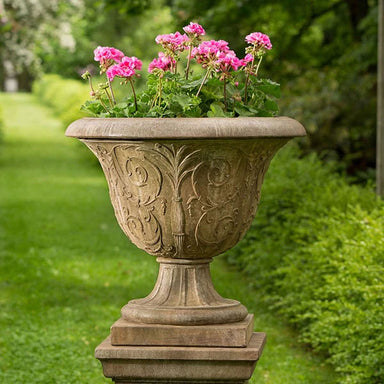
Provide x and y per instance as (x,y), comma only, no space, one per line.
(184,295)
(214,335)
(180,365)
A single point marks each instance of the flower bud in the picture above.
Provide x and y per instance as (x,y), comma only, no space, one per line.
(86,75)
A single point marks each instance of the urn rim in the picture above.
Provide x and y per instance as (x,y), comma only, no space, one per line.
(185,128)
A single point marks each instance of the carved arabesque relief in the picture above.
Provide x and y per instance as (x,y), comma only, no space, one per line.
(185,199)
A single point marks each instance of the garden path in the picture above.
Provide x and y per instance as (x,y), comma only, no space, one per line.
(66,269)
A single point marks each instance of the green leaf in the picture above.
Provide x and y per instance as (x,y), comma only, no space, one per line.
(271,105)
(193,84)
(242,110)
(216,110)
(269,87)
(194,112)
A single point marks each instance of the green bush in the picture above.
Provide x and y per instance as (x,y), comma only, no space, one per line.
(1,125)
(64,96)
(316,253)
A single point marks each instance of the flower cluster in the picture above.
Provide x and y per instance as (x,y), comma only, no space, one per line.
(259,43)
(214,56)
(126,68)
(107,56)
(208,52)
(194,29)
(259,39)
(217,56)
(173,42)
(163,63)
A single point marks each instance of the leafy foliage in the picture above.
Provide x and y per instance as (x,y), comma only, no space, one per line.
(333,289)
(63,95)
(1,124)
(325,56)
(178,99)
(315,251)
(28,27)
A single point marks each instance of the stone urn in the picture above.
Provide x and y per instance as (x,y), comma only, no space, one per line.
(183,190)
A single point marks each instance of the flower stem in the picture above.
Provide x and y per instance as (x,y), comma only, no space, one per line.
(112,94)
(225,95)
(258,65)
(90,83)
(160,85)
(134,93)
(189,62)
(204,79)
(109,98)
(249,74)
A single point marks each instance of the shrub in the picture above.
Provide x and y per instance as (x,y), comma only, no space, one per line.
(316,253)
(1,125)
(64,96)
(333,289)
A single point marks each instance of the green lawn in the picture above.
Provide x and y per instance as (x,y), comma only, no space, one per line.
(66,268)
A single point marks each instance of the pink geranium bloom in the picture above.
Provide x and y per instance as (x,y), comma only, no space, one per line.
(133,62)
(247,59)
(194,29)
(163,62)
(106,55)
(209,51)
(173,41)
(228,61)
(259,39)
(126,68)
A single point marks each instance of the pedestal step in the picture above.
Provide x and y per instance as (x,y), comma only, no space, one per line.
(176,365)
(237,334)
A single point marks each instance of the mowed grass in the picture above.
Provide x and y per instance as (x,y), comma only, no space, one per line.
(66,268)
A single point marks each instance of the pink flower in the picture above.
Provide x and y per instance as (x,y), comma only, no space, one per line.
(194,29)
(106,55)
(173,41)
(259,39)
(247,59)
(126,68)
(133,61)
(228,61)
(163,62)
(209,51)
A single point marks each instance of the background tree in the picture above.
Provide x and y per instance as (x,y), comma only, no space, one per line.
(30,25)
(325,57)
(324,53)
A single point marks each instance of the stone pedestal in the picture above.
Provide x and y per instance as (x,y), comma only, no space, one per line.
(215,335)
(184,190)
(180,365)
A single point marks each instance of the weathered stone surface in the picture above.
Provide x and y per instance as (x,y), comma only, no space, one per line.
(184,190)
(185,199)
(130,364)
(190,128)
(221,335)
(184,295)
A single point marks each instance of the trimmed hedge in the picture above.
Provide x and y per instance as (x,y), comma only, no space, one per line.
(64,96)
(1,125)
(316,253)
